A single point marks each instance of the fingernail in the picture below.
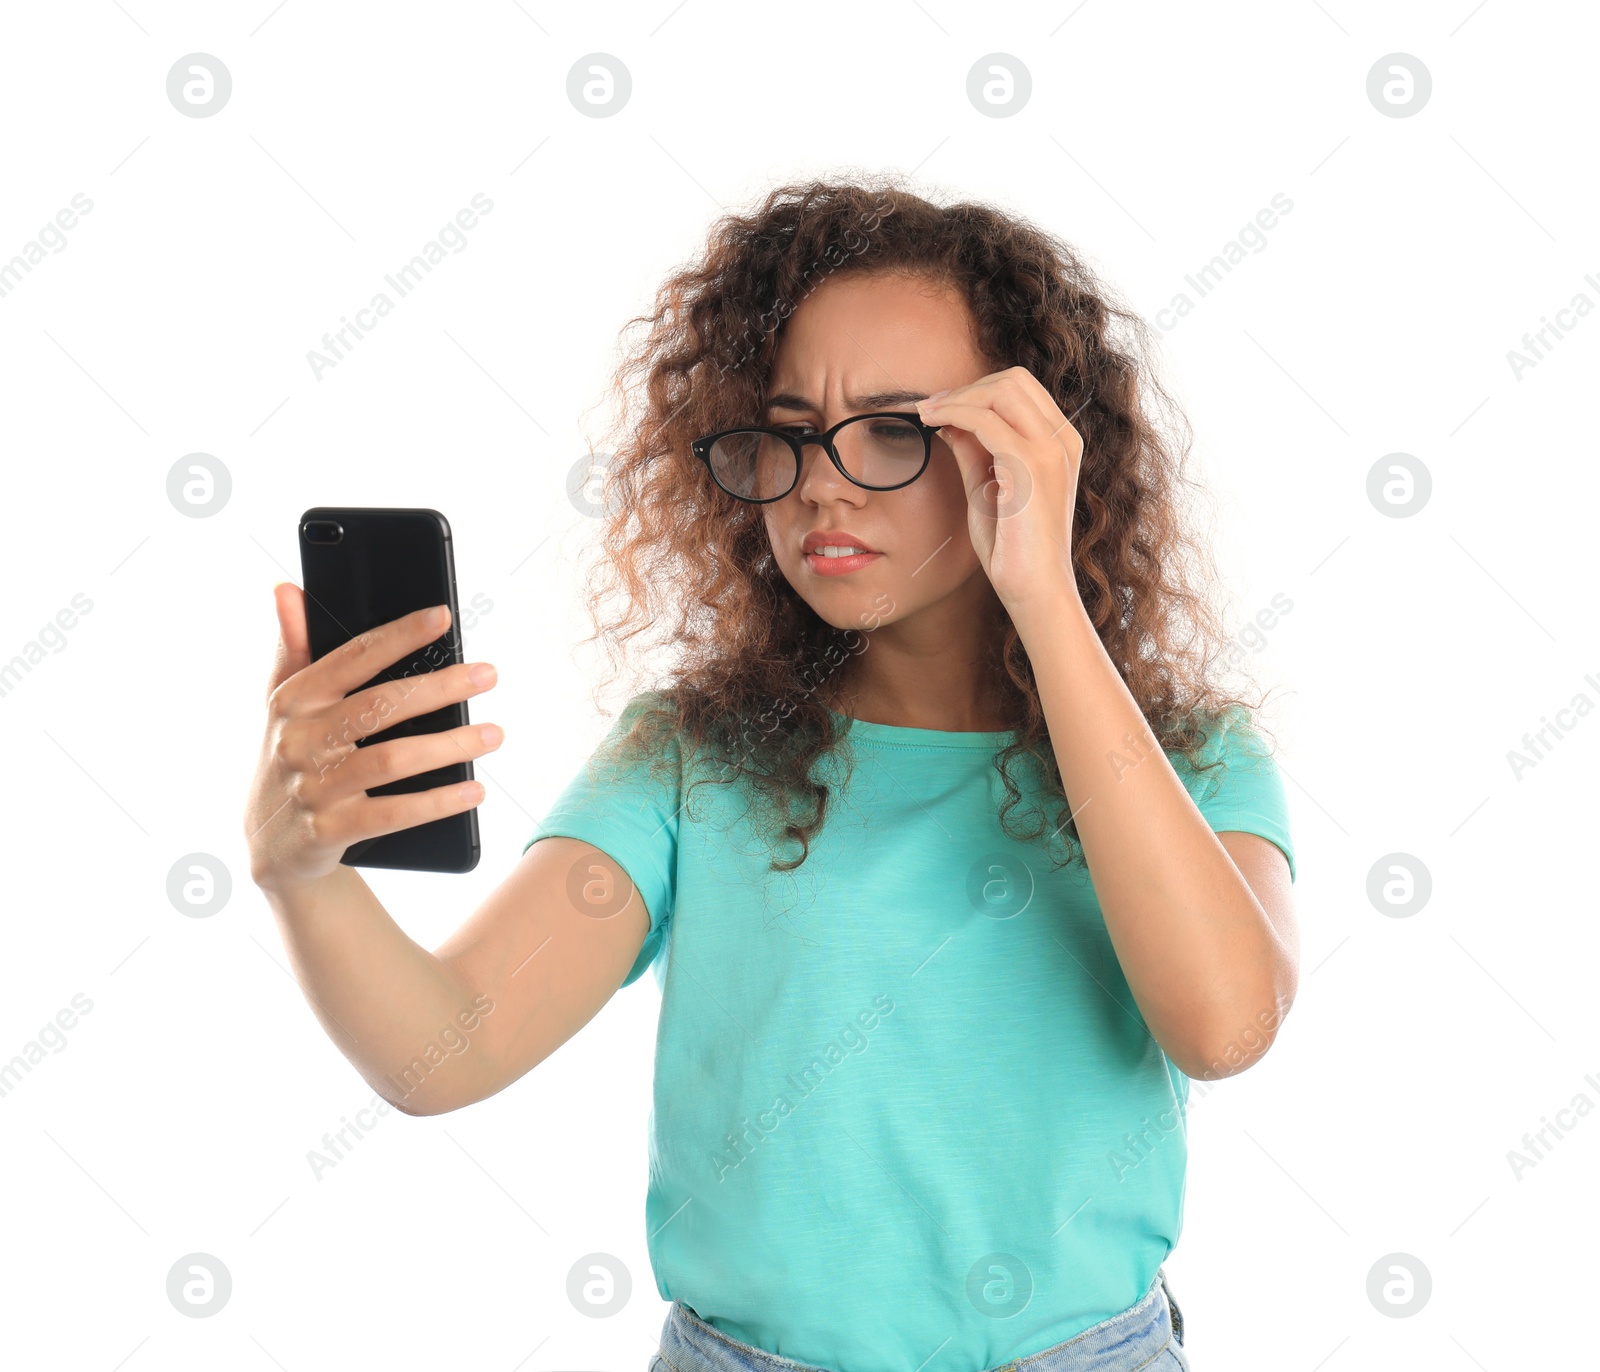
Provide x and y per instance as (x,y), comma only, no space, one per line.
(481,674)
(435,617)
(490,734)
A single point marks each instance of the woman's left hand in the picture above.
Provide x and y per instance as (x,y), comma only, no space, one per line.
(1019,458)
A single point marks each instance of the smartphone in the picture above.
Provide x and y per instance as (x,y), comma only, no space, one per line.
(362,567)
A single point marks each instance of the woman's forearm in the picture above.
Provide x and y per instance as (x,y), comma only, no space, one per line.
(1199,953)
(391,1006)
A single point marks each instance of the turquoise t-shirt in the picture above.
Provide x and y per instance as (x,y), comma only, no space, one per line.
(906,1112)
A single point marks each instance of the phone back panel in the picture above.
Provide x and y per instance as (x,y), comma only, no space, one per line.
(388,563)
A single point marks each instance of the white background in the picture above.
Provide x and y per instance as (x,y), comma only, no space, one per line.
(178,1117)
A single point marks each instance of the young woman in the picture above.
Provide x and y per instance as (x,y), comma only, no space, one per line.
(952,862)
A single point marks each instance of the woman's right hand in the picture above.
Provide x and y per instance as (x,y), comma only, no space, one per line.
(308,800)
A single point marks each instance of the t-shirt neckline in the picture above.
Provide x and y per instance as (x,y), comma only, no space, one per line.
(904,736)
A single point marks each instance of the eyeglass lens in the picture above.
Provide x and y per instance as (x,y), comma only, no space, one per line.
(875,451)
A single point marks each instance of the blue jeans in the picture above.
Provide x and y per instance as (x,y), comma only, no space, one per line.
(1147,1336)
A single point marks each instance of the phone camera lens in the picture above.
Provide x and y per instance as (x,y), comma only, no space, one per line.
(323,531)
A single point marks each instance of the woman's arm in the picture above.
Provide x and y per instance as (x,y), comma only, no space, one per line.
(1202,923)
(1206,940)
(430,1032)
(433,1032)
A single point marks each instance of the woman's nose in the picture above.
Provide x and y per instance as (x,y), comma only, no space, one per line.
(819,478)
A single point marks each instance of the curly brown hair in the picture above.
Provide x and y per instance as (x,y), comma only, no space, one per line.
(756,672)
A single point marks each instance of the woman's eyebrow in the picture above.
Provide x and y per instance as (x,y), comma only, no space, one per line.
(882,400)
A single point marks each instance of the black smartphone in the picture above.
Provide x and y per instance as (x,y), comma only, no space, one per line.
(362,567)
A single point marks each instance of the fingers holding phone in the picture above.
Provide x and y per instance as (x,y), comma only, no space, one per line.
(308,799)
(294,648)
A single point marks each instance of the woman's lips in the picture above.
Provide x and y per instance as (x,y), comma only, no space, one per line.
(839,566)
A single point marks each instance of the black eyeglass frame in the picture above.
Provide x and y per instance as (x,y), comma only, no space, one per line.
(701,448)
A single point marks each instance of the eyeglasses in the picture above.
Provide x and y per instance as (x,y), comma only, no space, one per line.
(881,451)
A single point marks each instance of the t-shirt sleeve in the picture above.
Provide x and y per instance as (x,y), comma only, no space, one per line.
(629,812)
(1246,792)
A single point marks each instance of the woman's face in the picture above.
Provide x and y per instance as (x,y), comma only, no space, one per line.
(861,343)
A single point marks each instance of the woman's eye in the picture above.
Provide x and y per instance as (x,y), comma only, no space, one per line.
(794,428)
